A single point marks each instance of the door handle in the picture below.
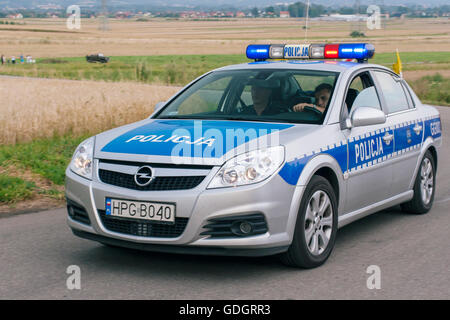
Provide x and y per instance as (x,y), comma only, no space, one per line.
(388,138)
(417,129)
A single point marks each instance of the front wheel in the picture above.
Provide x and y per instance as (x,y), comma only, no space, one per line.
(424,187)
(316,226)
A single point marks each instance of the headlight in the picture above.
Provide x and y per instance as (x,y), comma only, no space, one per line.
(82,159)
(248,168)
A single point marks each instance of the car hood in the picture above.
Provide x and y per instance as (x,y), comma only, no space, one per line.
(193,141)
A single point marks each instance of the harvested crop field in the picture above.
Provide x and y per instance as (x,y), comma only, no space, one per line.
(40,108)
(158,36)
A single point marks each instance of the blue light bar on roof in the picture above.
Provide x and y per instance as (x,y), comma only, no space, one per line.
(258,51)
(358,51)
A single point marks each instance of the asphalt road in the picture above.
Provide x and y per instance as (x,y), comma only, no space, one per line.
(413,253)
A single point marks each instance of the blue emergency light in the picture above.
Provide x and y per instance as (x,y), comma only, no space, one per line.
(358,51)
(258,51)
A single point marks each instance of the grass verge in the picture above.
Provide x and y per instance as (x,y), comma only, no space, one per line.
(433,89)
(35,169)
(13,189)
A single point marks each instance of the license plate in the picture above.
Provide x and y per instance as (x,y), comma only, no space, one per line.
(153,211)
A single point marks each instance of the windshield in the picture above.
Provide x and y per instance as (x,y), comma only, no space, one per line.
(298,96)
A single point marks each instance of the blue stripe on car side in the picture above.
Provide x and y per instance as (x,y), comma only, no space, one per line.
(292,169)
(433,128)
(404,136)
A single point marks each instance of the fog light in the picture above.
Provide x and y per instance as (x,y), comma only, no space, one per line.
(71,212)
(245,227)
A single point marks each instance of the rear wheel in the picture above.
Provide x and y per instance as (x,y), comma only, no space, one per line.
(424,187)
(316,226)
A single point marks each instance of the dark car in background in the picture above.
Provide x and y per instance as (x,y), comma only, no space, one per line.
(99,57)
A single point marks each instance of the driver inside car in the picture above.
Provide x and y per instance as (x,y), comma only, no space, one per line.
(322,94)
(262,95)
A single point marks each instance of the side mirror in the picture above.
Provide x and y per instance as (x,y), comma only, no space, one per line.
(365,116)
(157,107)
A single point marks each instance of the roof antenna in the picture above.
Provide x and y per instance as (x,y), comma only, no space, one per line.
(306,21)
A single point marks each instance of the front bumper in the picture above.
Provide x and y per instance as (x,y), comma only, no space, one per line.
(272,198)
(202,250)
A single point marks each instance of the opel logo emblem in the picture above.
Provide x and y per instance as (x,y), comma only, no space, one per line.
(143,176)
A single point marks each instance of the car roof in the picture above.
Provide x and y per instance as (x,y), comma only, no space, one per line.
(317,65)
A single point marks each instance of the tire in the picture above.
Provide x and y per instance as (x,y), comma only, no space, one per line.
(317,224)
(424,187)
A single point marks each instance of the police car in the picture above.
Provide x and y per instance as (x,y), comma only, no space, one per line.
(263,158)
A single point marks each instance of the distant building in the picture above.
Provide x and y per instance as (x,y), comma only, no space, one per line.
(285,14)
(240,14)
(123,15)
(15,16)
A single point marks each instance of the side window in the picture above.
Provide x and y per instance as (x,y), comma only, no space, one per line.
(408,95)
(362,93)
(392,91)
(367,98)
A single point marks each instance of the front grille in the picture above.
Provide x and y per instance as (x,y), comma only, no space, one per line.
(158,184)
(157,165)
(143,228)
(227,227)
(77,212)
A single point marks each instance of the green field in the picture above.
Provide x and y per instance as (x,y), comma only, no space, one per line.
(180,69)
(173,70)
